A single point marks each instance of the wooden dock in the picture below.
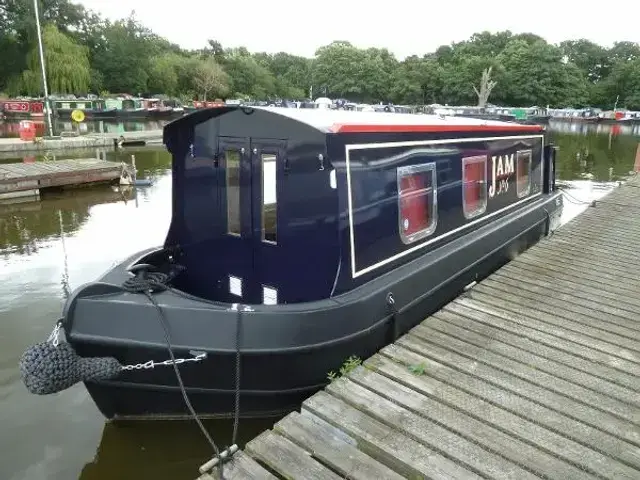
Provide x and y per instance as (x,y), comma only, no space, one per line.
(533,373)
(27,179)
(15,146)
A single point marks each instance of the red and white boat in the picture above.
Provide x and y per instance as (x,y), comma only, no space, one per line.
(20,109)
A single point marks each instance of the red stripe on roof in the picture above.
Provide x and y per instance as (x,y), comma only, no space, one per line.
(354,128)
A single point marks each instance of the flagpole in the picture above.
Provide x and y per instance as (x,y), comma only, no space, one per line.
(44,73)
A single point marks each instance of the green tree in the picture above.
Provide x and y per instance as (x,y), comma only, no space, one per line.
(67,65)
(417,81)
(210,78)
(624,82)
(248,77)
(535,74)
(124,54)
(588,57)
(164,73)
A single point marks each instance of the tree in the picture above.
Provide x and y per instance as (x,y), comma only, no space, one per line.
(163,73)
(247,76)
(486,85)
(624,81)
(210,77)
(124,55)
(535,74)
(587,56)
(417,81)
(67,65)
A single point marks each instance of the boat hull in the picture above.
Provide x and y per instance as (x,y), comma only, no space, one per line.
(287,350)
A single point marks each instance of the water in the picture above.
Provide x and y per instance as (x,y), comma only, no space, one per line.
(49,247)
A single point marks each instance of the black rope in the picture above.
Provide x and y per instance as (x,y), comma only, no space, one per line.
(154,282)
(236,416)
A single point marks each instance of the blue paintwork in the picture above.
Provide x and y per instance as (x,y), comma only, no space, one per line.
(375,191)
(303,264)
(311,260)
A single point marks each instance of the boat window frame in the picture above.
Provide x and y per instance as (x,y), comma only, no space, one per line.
(262,156)
(407,170)
(485,200)
(238,151)
(527,191)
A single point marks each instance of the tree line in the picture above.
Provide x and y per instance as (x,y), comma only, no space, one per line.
(85,53)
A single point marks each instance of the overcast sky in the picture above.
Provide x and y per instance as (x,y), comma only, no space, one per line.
(405,27)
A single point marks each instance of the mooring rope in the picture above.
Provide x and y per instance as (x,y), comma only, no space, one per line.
(52,366)
(154,282)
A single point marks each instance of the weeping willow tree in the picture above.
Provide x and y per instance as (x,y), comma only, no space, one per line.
(67,64)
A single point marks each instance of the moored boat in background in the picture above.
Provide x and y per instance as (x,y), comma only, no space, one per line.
(21,109)
(301,237)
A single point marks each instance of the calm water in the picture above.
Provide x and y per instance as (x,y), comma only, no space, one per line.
(49,247)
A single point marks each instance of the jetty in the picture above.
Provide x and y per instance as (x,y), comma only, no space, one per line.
(533,372)
(93,140)
(26,180)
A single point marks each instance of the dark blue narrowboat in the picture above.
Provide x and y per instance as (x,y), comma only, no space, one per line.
(299,238)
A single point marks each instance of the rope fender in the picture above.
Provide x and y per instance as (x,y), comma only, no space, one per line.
(52,366)
(48,368)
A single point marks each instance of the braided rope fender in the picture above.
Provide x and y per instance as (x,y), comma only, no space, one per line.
(46,368)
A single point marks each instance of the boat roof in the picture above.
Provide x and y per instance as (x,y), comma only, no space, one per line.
(350,121)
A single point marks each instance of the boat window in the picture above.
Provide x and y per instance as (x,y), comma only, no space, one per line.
(474,185)
(235,286)
(417,201)
(523,172)
(232,167)
(269,295)
(269,201)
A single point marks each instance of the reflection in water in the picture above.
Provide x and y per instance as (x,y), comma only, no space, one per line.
(134,450)
(596,156)
(74,237)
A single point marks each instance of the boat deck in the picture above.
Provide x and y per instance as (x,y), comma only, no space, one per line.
(532,373)
(17,179)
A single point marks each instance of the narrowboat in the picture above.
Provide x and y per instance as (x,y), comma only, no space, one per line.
(21,109)
(93,108)
(299,238)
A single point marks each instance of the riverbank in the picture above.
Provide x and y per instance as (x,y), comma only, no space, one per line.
(15,145)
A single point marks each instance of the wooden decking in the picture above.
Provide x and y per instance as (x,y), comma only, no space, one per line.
(20,177)
(533,373)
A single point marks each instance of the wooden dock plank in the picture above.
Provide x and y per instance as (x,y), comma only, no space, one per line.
(540,277)
(395,414)
(388,445)
(544,277)
(524,311)
(16,177)
(332,447)
(492,315)
(546,359)
(240,467)
(571,301)
(520,416)
(532,373)
(287,458)
(501,370)
(567,319)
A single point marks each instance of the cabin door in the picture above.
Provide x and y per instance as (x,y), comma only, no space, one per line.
(235,258)
(267,176)
(249,253)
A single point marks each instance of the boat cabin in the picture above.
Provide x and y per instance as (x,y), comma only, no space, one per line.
(275,206)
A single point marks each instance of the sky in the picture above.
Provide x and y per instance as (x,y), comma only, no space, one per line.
(405,27)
